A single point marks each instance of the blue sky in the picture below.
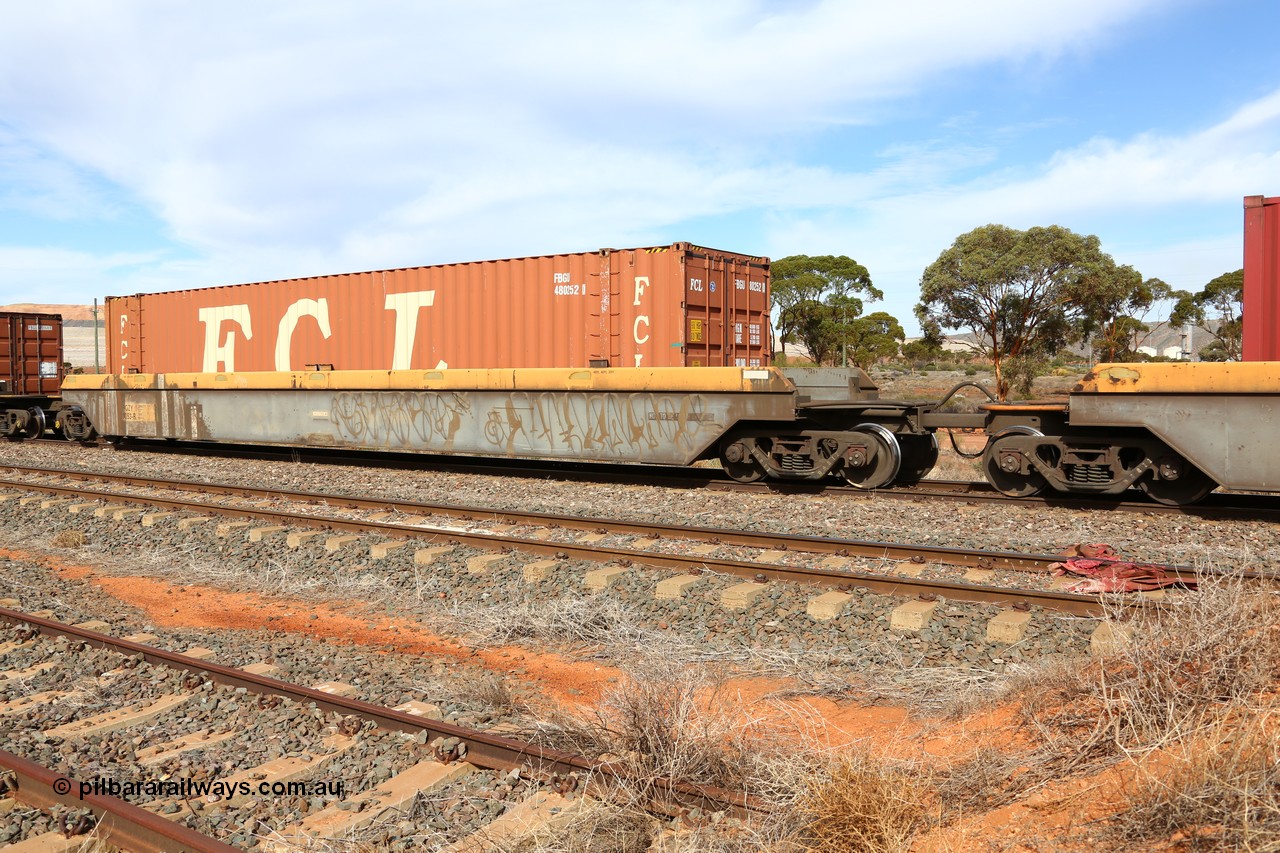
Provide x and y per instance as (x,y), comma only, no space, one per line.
(152,146)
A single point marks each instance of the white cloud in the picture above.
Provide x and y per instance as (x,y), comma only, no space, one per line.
(298,138)
(46,275)
(302,124)
(1132,187)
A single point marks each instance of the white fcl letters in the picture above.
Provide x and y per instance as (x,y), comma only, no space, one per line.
(216,351)
(642,281)
(318,308)
(406,306)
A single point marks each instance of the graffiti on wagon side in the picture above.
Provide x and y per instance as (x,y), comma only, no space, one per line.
(560,423)
(400,418)
(600,425)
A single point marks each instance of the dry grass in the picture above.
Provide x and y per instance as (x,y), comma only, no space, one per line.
(951,465)
(287,574)
(860,804)
(1217,792)
(1171,673)
(596,826)
(489,691)
(70,539)
(665,724)
(594,620)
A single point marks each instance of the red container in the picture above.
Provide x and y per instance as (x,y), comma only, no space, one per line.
(658,307)
(1261,278)
(30,353)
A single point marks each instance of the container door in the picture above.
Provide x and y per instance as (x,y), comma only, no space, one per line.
(727,310)
(704,313)
(41,337)
(746,308)
(10,362)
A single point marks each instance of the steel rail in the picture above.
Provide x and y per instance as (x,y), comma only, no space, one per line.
(487,750)
(1083,605)
(968,557)
(1219,505)
(123,824)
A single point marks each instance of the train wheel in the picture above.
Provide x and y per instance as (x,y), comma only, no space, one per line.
(739,464)
(1191,487)
(882,466)
(35,423)
(1002,467)
(919,455)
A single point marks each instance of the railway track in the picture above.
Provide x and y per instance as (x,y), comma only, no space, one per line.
(992,577)
(1219,505)
(113,820)
(435,755)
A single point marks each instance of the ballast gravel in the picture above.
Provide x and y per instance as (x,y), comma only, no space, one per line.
(1183,540)
(500,606)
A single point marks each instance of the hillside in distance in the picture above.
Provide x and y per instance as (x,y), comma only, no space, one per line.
(68,312)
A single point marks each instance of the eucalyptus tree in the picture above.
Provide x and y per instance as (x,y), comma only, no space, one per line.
(1219,310)
(818,298)
(1024,295)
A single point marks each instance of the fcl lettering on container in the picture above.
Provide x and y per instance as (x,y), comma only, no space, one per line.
(665,306)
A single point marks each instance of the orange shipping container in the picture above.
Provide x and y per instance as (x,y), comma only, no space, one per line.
(656,307)
(30,353)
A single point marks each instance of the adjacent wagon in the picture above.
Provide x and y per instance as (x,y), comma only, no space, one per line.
(31,370)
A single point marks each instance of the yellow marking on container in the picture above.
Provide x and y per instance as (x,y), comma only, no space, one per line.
(695,331)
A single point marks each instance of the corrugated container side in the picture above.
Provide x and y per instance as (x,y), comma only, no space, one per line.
(1261,278)
(30,353)
(658,307)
